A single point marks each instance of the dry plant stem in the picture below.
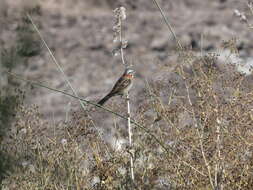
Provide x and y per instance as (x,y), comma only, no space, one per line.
(129,120)
(161,104)
(218,167)
(128,103)
(121,41)
(166,149)
(63,73)
(204,157)
(170,27)
(168,24)
(130,137)
(200,136)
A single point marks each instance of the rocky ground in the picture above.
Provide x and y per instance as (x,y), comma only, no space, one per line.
(81,37)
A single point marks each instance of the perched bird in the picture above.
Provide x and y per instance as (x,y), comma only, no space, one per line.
(121,87)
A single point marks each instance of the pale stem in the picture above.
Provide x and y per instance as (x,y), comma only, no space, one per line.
(128,105)
(130,137)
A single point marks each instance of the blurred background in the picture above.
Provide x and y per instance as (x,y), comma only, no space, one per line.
(200,108)
(80,34)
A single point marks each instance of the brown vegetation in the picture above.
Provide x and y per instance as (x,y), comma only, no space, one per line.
(193,130)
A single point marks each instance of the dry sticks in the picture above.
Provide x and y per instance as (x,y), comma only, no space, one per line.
(120,15)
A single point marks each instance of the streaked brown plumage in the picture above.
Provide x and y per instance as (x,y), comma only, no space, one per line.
(121,87)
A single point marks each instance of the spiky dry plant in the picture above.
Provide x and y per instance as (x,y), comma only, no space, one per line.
(201,112)
(244,17)
(120,15)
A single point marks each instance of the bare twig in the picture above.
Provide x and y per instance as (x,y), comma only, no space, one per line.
(120,14)
(62,72)
(130,137)
(166,149)
(168,24)
(219,165)
(200,136)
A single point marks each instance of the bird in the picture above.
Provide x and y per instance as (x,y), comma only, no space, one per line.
(121,87)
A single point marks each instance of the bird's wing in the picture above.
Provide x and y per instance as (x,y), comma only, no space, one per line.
(121,84)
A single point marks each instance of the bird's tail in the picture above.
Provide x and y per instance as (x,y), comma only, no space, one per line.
(107,97)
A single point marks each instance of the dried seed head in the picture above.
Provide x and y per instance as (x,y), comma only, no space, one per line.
(123,13)
(64,142)
(250,4)
(243,18)
(237,13)
(124,44)
(120,13)
(241,15)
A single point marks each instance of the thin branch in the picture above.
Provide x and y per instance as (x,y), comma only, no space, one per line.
(121,41)
(168,24)
(166,149)
(130,137)
(219,164)
(62,72)
(121,17)
(200,136)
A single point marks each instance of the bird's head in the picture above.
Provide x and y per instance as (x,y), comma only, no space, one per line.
(129,73)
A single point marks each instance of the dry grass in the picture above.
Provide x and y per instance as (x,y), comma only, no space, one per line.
(72,156)
(204,119)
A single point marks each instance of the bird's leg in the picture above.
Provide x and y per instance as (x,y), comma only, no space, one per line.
(124,96)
